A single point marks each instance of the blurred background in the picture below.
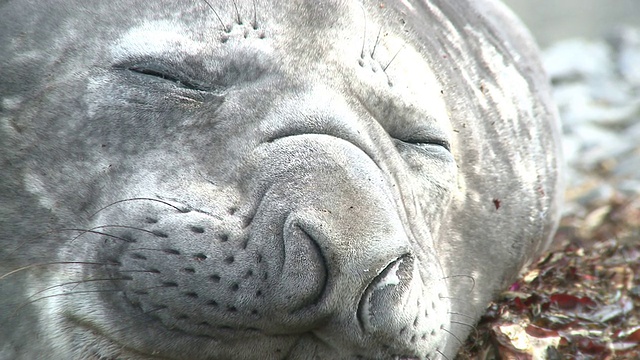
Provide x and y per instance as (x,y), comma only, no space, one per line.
(551,20)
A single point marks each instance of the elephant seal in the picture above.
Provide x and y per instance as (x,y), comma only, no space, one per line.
(265,180)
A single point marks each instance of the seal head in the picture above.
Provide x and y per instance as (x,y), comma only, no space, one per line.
(265,180)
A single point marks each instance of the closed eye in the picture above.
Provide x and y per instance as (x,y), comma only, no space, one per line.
(166,73)
(428,143)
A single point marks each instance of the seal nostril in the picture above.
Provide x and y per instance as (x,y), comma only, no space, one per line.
(383,297)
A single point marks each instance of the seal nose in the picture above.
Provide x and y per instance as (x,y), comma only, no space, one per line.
(348,272)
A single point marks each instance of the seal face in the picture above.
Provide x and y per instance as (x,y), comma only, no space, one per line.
(265,180)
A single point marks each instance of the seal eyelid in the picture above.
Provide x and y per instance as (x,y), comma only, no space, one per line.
(166,73)
(426,138)
(429,142)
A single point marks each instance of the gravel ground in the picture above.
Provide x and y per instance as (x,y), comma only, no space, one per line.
(582,300)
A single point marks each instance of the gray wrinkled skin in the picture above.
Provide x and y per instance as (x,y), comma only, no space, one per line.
(265,180)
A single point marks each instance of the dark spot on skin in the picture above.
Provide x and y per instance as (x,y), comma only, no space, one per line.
(215,278)
(159,234)
(224,237)
(229,260)
(496,203)
(192,295)
(138,256)
(212,303)
(200,257)
(197,229)
(235,287)
(189,270)
(169,284)
(171,251)
(150,220)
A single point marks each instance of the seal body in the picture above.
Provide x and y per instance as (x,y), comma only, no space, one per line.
(265,180)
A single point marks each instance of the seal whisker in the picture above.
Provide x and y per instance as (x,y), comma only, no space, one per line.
(452,334)
(85,231)
(76,283)
(475,329)
(93,230)
(224,27)
(443,355)
(27,267)
(138,199)
(364,33)
(375,45)
(393,58)
(460,314)
(235,6)
(255,16)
